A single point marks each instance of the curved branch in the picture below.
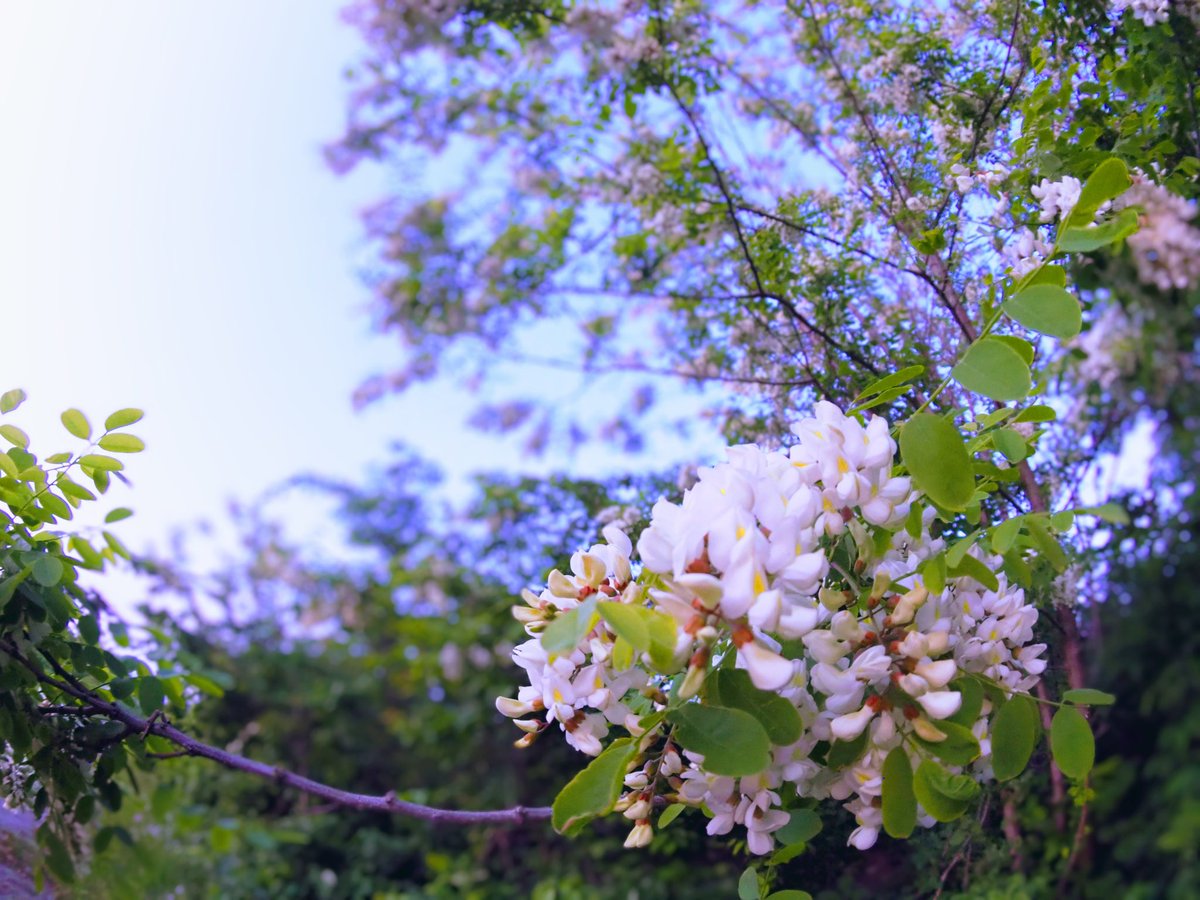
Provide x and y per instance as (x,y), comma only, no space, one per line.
(190,746)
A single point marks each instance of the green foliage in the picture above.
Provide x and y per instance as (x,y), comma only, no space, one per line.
(899,801)
(594,790)
(732,742)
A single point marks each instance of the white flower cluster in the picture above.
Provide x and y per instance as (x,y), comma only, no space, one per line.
(1151,12)
(801,565)
(1028,249)
(1166,248)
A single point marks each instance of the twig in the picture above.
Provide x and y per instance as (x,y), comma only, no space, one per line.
(190,746)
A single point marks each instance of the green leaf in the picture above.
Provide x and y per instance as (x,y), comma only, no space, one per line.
(1109,512)
(934,454)
(670,814)
(622,654)
(944,809)
(956,553)
(1005,534)
(89,629)
(1014,735)
(593,791)
(1109,180)
(843,753)
(970,567)
(54,505)
(731,741)
(1048,274)
(121,418)
(1023,347)
(778,717)
(1085,240)
(994,369)
(1072,743)
(566,632)
(101,462)
(118,514)
(790,894)
(48,571)
(10,400)
(748,884)
(960,746)
(1046,309)
(150,694)
(122,443)
(625,622)
(8,467)
(1046,543)
(1011,443)
(1037,413)
(972,701)
(933,573)
(77,424)
(58,858)
(802,826)
(1089,697)
(889,381)
(899,802)
(15,436)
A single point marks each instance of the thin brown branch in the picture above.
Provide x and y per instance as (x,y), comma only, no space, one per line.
(190,746)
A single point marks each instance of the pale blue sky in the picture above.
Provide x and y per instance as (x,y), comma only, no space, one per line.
(171,239)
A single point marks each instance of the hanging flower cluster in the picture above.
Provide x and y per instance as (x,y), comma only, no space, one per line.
(783,595)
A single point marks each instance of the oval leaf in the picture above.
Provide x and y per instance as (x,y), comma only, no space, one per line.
(1047,309)
(1014,734)
(593,791)
(122,443)
(1089,697)
(48,571)
(566,632)
(101,462)
(778,717)
(945,809)
(994,369)
(10,400)
(122,417)
(77,424)
(1072,743)
(625,622)
(935,455)
(899,801)
(731,741)
(15,436)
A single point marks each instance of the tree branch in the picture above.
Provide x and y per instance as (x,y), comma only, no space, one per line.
(190,746)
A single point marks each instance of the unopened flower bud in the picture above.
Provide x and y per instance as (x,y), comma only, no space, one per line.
(530,726)
(562,586)
(514,708)
(640,836)
(524,741)
(938,674)
(525,614)
(938,643)
(639,809)
(832,600)
(880,585)
(908,606)
(693,681)
(926,730)
(940,704)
